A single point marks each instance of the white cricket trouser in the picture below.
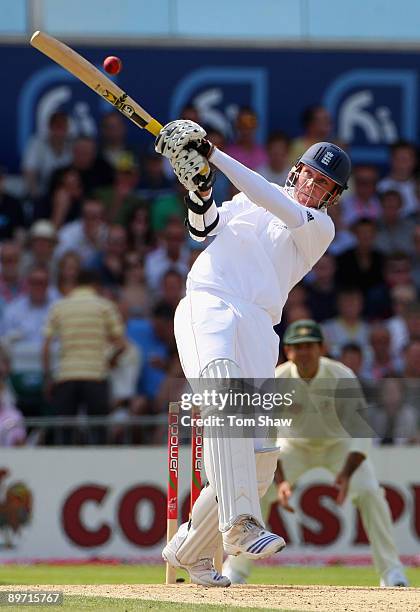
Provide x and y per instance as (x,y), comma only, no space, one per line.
(208,328)
(364,491)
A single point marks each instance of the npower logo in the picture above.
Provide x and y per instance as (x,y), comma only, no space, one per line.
(373,108)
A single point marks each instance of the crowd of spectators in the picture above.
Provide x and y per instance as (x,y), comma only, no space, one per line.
(99,226)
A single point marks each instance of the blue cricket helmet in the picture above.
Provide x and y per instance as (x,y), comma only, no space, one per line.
(329,159)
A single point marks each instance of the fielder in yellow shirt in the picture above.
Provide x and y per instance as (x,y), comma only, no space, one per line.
(327,444)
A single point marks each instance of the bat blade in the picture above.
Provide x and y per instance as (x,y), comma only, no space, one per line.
(79,67)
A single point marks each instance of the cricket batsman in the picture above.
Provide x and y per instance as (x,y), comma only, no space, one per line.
(346,458)
(266,239)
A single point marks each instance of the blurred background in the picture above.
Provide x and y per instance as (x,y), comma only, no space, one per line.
(81,189)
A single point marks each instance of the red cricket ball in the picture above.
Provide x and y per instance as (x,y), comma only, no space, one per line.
(112,64)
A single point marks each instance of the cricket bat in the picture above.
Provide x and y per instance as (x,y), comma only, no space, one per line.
(79,67)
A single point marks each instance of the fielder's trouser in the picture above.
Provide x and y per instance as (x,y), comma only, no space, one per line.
(364,491)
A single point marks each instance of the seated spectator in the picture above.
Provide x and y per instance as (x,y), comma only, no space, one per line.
(134,293)
(294,309)
(362,265)
(344,239)
(113,138)
(109,263)
(245,147)
(84,365)
(352,357)
(41,247)
(416,256)
(153,181)
(412,319)
(321,290)
(363,203)
(392,229)
(348,325)
(12,428)
(396,272)
(121,197)
(172,288)
(12,219)
(140,234)
(12,285)
(65,198)
(87,235)
(24,317)
(393,419)
(277,166)
(401,176)
(401,298)
(68,269)
(94,171)
(222,188)
(172,252)
(156,342)
(317,127)
(380,363)
(411,357)
(167,207)
(22,330)
(45,154)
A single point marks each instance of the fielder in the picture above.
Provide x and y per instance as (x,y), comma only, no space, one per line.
(346,458)
(267,238)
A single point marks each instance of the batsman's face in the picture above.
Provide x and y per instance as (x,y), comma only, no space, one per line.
(312,187)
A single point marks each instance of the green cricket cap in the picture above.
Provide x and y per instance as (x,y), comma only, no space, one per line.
(304,330)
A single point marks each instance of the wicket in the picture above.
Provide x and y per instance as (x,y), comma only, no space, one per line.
(173,478)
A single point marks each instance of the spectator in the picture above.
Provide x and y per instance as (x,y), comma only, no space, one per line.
(65,201)
(397,271)
(94,172)
(245,148)
(277,166)
(393,419)
(317,127)
(109,263)
(321,290)
(24,317)
(11,212)
(120,198)
(172,252)
(362,265)
(42,244)
(222,188)
(344,239)
(352,356)
(401,297)
(155,340)
(85,325)
(401,175)
(87,235)
(44,155)
(348,325)
(412,373)
(416,256)
(363,203)
(12,285)
(392,229)
(412,319)
(134,294)
(113,135)
(380,362)
(154,182)
(12,428)
(167,207)
(172,288)
(68,269)
(140,234)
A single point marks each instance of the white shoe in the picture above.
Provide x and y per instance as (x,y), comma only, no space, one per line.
(394,577)
(252,540)
(234,576)
(201,572)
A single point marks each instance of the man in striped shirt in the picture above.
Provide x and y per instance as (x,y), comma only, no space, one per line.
(86,325)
